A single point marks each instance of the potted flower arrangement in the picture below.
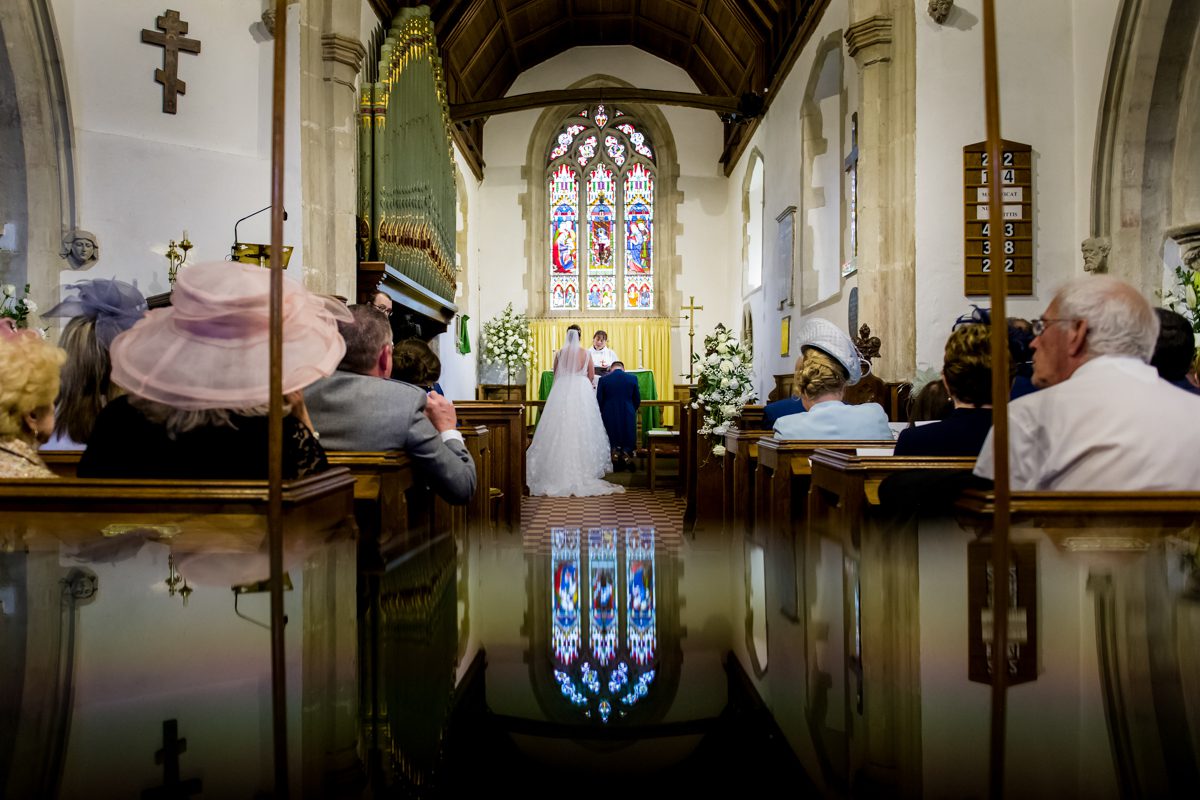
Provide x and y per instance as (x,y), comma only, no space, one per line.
(725,384)
(508,344)
(18,310)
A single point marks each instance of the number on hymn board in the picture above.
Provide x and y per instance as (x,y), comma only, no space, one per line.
(1009,265)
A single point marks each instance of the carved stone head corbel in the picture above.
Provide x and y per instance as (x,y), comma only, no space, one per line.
(1095,253)
(940,10)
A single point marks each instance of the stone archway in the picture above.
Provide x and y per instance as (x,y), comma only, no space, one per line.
(1146,172)
(41,170)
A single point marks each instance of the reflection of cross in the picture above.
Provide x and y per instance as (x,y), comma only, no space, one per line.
(691,318)
(168,756)
(171,40)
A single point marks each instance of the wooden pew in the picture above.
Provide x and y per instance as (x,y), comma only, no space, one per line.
(505,455)
(216,532)
(740,465)
(479,510)
(782,478)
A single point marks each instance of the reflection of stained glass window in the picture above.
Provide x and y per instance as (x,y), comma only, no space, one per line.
(602,578)
(564,571)
(639,586)
(639,230)
(615,676)
(564,251)
(601,183)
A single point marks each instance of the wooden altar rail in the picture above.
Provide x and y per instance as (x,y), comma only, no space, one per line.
(225,517)
(504,459)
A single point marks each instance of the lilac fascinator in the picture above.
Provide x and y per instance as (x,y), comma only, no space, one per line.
(114,306)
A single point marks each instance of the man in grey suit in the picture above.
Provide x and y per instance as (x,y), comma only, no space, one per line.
(360,408)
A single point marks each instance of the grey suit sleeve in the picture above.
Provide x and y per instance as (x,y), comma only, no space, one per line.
(446,465)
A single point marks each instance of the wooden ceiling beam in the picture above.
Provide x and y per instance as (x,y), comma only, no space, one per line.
(665,31)
(716,73)
(716,34)
(541,32)
(502,13)
(479,50)
(460,112)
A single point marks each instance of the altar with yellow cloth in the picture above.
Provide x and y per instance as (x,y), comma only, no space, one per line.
(642,343)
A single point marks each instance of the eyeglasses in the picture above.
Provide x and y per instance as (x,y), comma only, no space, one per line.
(1040,324)
(387,312)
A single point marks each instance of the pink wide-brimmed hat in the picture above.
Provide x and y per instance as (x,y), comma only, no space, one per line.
(209,349)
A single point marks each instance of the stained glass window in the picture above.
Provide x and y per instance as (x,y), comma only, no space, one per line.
(601,187)
(639,235)
(601,275)
(564,251)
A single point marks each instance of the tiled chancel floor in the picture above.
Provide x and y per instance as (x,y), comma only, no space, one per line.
(636,508)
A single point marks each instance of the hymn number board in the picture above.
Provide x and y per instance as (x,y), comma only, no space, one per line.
(1016,180)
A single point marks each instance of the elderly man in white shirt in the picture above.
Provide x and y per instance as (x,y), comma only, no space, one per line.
(1104,420)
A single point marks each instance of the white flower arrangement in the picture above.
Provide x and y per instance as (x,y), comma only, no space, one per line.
(507,341)
(1182,297)
(725,384)
(17,309)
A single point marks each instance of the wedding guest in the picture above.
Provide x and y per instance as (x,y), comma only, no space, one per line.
(967,379)
(930,403)
(197,373)
(828,364)
(28,383)
(781,408)
(99,310)
(1175,350)
(359,408)
(413,361)
(1103,420)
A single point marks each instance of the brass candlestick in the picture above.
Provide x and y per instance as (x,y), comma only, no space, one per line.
(175,258)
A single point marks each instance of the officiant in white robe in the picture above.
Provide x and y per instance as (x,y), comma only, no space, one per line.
(603,356)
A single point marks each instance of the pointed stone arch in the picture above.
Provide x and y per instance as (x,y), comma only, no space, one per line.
(534,203)
(1146,169)
(41,111)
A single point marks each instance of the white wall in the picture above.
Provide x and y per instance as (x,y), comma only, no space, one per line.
(778,138)
(710,257)
(144,176)
(1052,65)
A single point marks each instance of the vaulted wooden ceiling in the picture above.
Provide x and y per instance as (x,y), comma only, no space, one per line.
(733,49)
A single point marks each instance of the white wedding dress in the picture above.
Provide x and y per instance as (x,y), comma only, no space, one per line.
(570,455)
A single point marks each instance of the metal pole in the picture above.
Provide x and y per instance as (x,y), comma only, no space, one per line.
(1000,391)
(275,436)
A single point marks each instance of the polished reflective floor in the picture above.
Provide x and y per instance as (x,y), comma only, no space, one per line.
(606,642)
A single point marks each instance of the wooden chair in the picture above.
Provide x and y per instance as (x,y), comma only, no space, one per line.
(665,443)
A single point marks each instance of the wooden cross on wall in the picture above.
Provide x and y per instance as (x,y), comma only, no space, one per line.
(172,41)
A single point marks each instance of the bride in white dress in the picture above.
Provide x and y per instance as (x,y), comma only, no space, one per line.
(570,453)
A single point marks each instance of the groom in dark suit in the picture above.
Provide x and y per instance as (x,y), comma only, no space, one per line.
(619,399)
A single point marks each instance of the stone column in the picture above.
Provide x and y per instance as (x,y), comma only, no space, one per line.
(330,58)
(881,39)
